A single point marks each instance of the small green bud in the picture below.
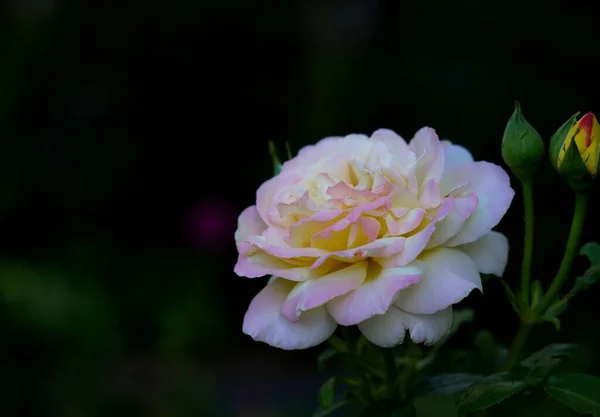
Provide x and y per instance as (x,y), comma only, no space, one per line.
(522,146)
(574,151)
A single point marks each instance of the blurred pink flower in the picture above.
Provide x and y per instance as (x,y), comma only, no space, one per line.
(208,224)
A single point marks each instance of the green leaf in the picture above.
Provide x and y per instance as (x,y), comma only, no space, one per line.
(276,162)
(353,381)
(445,384)
(490,391)
(322,413)
(405,411)
(326,394)
(338,344)
(436,407)
(491,352)
(592,251)
(324,357)
(460,317)
(544,356)
(581,392)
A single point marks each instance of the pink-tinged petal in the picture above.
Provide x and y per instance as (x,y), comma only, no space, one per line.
(249,224)
(406,224)
(491,185)
(464,206)
(316,292)
(272,193)
(431,196)
(389,329)
(430,153)
(396,147)
(415,244)
(302,231)
(449,276)
(265,323)
(375,295)
(327,148)
(260,264)
(370,227)
(284,251)
(490,253)
(455,155)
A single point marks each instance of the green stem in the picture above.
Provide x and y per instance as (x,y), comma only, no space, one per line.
(390,369)
(517,346)
(581,202)
(527,246)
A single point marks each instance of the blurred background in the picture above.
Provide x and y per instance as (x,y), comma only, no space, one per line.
(133,134)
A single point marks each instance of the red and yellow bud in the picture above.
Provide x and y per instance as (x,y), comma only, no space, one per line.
(585,134)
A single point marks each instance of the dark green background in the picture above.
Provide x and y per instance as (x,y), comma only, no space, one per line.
(133,133)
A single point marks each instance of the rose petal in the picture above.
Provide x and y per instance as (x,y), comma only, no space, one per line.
(449,276)
(249,224)
(414,244)
(431,196)
(316,292)
(375,295)
(260,264)
(491,185)
(426,145)
(454,155)
(490,253)
(389,329)
(265,323)
(464,206)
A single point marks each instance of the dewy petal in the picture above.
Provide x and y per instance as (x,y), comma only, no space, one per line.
(375,295)
(249,224)
(454,155)
(389,329)
(491,185)
(490,253)
(449,276)
(464,206)
(265,323)
(316,292)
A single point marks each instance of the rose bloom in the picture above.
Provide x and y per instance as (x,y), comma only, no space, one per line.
(374,232)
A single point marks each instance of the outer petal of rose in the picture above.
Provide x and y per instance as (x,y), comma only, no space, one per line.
(249,224)
(265,323)
(454,155)
(491,184)
(415,244)
(449,276)
(384,247)
(350,145)
(396,146)
(273,192)
(426,145)
(464,206)
(375,295)
(260,264)
(389,329)
(316,292)
(490,253)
